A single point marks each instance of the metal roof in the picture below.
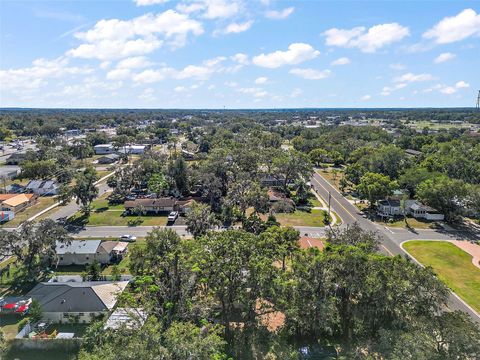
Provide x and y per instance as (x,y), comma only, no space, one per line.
(78,247)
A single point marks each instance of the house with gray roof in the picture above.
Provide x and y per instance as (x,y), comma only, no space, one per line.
(43,187)
(80,302)
(82,252)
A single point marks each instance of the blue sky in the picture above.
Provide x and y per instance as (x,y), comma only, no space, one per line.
(239,53)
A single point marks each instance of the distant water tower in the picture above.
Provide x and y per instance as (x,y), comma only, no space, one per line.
(478,101)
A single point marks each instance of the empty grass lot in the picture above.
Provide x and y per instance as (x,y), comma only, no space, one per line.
(413,223)
(452,265)
(301,218)
(104,214)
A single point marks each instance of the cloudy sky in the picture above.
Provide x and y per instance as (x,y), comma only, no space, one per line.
(238,53)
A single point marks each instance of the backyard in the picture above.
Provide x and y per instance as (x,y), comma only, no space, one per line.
(301,218)
(452,265)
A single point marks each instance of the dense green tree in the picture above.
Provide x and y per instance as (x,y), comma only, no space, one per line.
(200,219)
(374,187)
(33,246)
(444,194)
(84,189)
(157,184)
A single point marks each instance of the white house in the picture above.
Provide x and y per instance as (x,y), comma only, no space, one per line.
(101,149)
(389,208)
(133,149)
(421,211)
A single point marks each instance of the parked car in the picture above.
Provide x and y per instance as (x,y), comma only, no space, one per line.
(128,238)
(172,216)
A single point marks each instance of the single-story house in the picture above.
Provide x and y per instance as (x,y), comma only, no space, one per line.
(413,153)
(159,205)
(16,158)
(15,189)
(43,187)
(133,149)
(108,159)
(81,302)
(421,211)
(104,149)
(9,171)
(16,202)
(81,252)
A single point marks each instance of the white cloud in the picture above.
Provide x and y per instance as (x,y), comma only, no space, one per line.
(113,39)
(366,97)
(340,61)
(231,84)
(296,93)
(397,66)
(149,2)
(37,75)
(296,53)
(387,90)
(134,62)
(462,84)
(410,77)
(220,8)
(261,80)
(119,74)
(256,92)
(195,71)
(180,89)
(444,57)
(240,58)
(455,28)
(279,14)
(369,40)
(151,76)
(235,28)
(105,65)
(311,74)
(147,95)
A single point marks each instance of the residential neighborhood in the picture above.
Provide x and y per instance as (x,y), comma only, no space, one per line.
(239,179)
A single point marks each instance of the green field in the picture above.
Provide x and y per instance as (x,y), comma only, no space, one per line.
(452,265)
(413,223)
(301,218)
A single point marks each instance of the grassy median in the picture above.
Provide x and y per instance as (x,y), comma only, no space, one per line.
(452,265)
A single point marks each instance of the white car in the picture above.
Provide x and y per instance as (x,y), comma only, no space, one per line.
(128,238)
(172,216)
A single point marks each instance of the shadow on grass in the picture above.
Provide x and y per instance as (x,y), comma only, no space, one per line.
(102,209)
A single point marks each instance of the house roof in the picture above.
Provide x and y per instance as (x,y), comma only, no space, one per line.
(110,156)
(412,152)
(90,296)
(132,318)
(78,247)
(160,202)
(18,199)
(4,197)
(390,202)
(274,195)
(108,246)
(306,242)
(41,184)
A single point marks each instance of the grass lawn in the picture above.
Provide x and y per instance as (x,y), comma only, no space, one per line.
(9,325)
(42,203)
(104,214)
(452,265)
(301,218)
(333,180)
(413,223)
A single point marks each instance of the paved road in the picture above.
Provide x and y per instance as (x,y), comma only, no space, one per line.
(392,238)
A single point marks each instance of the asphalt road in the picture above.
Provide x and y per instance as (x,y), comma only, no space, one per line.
(392,238)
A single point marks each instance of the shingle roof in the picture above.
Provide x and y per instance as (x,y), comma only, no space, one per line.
(18,199)
(160,202)
(77,296)
(78,247)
